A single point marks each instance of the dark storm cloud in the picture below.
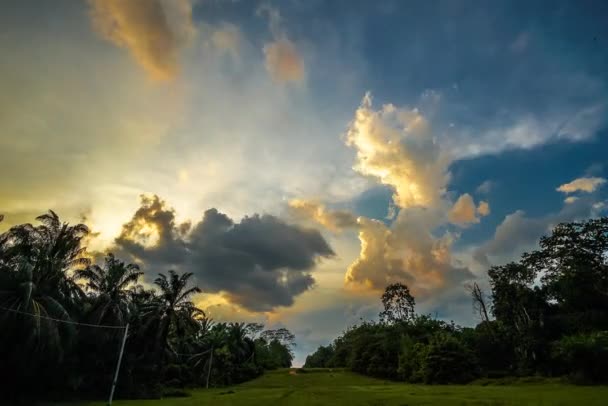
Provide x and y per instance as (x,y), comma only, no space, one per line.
(260,262)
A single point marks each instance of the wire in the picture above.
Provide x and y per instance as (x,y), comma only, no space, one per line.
(192,355)
(60,320)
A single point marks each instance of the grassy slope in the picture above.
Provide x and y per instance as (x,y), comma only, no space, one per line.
(343,388)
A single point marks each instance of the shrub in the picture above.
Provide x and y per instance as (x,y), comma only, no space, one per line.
(447,360)
(584,355)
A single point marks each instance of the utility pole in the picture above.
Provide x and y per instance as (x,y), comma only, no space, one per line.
(122,349)
(209,369)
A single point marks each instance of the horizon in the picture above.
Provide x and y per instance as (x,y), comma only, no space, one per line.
(298,157)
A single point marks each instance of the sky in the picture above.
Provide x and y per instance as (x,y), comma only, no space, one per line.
(298,156)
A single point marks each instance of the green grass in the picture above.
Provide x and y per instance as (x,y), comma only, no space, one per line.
(326,387)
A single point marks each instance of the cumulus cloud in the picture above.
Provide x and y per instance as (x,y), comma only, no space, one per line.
(395,146)
(587,185)
(464,212)
(334,220)
(258,263)
(405,252)
(483,209)
(152,30)
(519,232)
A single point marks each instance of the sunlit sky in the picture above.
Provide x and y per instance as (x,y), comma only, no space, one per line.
(298,156)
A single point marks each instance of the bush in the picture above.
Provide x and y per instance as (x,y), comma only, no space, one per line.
(447,360)
(584,355)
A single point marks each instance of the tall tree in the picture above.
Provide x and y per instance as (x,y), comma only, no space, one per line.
(398,304)
(573,262)
(172,310)
(479,301)
(38,291)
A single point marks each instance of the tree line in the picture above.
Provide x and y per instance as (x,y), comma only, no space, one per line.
(546,314)
(63,318)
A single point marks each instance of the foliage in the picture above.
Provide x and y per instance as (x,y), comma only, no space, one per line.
(550,318)
(320,358)
(52,297)
(585,356)
(398,304)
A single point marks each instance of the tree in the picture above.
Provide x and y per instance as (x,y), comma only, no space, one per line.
(398,304)
(479,301)
(447,360)
(111,285)
(52,298)
(241,346)
(38,292)
(320,358)
(54,250)
(281,335)
(573,264)
(172,310)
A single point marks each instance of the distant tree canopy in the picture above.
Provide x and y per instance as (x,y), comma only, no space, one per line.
(550,317)
(52,296)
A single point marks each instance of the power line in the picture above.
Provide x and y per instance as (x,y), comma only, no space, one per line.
(191,355)
(60,320)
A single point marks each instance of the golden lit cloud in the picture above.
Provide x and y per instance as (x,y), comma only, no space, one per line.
(464,212)
(587,185)
(396,147)
(483,209)
(405,252)
(152,30)
(334,220)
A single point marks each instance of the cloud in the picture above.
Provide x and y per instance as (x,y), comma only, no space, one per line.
(283,62)
(483,209)
(528,130)
(395,146)
(518,232)
(227,39)
(570,199)
(152,30)
(464,212)
(405,252)
(587,185)
(334,220)
(485,187)
(258,263)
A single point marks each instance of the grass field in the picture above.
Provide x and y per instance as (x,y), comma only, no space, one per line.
(326,387)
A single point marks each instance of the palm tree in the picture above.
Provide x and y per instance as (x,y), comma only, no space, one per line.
(54,250)
(111,283)
(34,313)
(172,310)
(37,288)
(240,344)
